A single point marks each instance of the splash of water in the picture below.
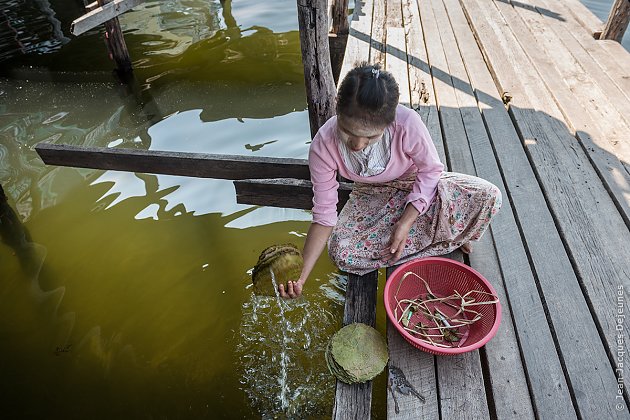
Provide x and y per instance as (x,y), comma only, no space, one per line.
(283,355)
(281,351)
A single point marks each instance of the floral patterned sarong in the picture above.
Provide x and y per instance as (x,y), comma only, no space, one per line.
(460,212)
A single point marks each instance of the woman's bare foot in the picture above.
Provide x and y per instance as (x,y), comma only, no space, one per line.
(466,248)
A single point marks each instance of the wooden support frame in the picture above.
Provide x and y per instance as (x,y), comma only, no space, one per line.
(99,15)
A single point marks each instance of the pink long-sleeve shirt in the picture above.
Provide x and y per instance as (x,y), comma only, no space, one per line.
(412,151)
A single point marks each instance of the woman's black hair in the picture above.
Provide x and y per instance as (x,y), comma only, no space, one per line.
(368,93)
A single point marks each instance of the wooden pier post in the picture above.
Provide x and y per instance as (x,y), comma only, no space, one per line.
(116,43)
(318,76)
(338,36)
(617,21)
(340,24)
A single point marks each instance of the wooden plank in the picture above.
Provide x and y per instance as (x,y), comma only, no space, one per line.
(613,58)
(505,370)
(420,79)
(417,366)
(460,380)
(543,137)
(199,165)
(378,40)
(607,105)
(595,137)
(610,55)
(572,54)
(618,53)
(102,14)
(460,377)
(581,14)
(419,370)
(359,37)
(396,51)
(354,401)
(283,192)
(546,379)
(559,150)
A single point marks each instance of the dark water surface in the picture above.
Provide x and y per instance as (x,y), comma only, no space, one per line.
(127,295)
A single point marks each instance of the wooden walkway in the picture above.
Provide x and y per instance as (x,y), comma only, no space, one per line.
(558,252)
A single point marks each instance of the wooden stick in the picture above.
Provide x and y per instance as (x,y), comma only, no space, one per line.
(116,43)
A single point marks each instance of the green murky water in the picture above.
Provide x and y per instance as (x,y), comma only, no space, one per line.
(127,295)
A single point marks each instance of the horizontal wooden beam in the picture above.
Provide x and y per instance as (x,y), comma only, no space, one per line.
(102,14)
(283,192)
(199,165)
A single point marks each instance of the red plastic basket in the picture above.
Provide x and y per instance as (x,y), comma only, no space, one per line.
(444,276)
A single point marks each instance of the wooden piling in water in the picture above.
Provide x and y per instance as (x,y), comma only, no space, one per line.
(116,43)
(617,21)
(318,76)
(338,36)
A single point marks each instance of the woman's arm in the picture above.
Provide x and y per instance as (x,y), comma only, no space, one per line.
(315,243)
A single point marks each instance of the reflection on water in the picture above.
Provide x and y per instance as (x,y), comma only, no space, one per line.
(27,27)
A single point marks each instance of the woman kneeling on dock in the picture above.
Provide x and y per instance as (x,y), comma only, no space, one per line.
(403,204)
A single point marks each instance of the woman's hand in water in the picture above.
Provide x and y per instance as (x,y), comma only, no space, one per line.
(294,289)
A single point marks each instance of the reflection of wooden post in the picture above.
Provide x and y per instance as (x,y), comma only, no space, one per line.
(12,232)
(617,21)
(116,43)
(318,77)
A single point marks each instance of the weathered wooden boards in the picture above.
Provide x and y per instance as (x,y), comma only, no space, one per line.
(418,367)
(354,401)
(593,106)
(558,167)
(99,15)
(460,379)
